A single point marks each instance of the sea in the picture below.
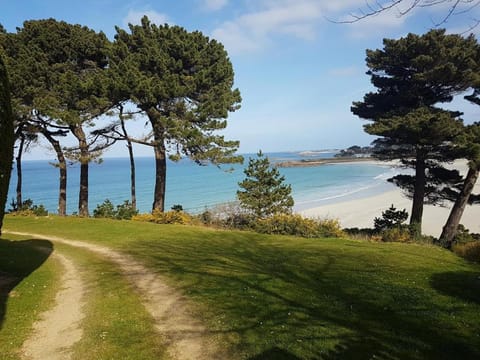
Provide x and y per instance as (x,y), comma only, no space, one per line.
(197,188)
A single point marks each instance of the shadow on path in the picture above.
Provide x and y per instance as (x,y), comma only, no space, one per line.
(18,259)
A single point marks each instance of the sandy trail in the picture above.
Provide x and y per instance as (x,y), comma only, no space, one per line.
(186,337)
(60,327)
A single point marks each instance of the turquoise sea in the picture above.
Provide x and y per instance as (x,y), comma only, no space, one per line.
(197,187)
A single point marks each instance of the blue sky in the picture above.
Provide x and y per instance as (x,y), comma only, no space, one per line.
(297,71)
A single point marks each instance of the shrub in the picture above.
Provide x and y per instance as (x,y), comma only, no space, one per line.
(293,224)
(396,234)
(469,251)
(169,217)
(123,211)
(464,236)
(27,208)
(330,228)
(104,210)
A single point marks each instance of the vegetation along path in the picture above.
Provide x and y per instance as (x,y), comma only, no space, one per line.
(186,337)
(59,328)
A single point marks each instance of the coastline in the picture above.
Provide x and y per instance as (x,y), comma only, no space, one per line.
(361,212)
(318,162)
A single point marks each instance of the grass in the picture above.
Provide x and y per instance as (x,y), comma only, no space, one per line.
(28,288)
(277,297)
(116,325)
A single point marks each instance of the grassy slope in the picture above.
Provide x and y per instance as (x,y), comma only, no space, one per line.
(285,297)
(116,325)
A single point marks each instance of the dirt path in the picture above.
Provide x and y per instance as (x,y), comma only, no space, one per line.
(185,336)
(59,328)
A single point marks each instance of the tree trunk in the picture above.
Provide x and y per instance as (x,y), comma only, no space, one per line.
(160,177)
(7,140)
(160,160)
(450,229)
(418,195)
(18,160)
(132,163)
(62,167)
(84,161)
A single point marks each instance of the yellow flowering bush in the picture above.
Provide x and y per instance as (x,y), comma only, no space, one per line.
(294,224)
(168,217)
(469,251)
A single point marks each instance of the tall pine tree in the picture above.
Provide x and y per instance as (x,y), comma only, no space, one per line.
(412,75)
(183,82)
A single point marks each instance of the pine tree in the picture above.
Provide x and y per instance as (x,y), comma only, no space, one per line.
(183,82)
(412,75)
(264,192)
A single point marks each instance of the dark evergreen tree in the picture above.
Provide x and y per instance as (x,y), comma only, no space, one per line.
(263,190)
(412,75)
(7,138)
(183,82)
(60,85)
(390,218)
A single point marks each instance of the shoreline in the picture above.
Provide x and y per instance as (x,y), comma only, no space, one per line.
(362,211)
(323,161)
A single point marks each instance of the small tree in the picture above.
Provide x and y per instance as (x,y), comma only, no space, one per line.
(390,218)
(264,192)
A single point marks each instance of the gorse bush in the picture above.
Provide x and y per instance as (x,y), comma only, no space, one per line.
(293,224)
(469,251)
(123,211)
(168,217)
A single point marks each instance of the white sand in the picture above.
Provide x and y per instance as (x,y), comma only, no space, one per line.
(361,212)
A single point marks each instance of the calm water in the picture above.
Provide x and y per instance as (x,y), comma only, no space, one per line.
(196,187)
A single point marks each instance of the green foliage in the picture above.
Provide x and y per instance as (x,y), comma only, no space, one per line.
(104,210)
(123,211)
(183,81)
(28,208)
(168,217)
(294,224)
(263,190)
(412,76)
(7,137)
(464,236)
(390,218)
(177,207)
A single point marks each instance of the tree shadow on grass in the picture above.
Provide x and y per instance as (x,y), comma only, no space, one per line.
(275,354)
(309,304)
(18,259)
(464,285)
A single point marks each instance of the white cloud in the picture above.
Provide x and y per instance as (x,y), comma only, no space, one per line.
(214,5)
(253,30)
(345,71)
(134,17)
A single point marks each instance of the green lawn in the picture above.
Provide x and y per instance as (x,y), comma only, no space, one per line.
(276,297)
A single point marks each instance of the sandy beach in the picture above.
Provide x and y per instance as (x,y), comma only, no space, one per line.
(361,212)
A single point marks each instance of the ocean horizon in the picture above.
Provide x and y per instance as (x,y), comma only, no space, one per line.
(196,187)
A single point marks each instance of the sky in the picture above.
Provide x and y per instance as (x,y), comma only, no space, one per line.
(298,69)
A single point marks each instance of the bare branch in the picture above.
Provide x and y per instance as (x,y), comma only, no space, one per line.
(457,7)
